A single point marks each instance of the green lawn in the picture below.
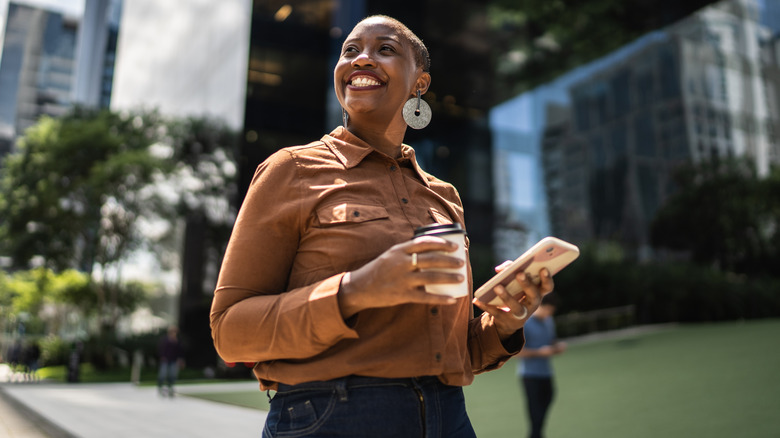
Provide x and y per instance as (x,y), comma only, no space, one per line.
(251,399)
(708,380)
(88,374)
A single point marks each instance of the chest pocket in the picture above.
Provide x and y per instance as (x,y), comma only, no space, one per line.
(350,213)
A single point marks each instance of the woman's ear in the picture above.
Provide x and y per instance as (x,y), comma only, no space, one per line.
(422,84)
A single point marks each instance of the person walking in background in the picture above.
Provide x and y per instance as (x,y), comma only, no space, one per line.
(32,358)
(535,368)
(170,353)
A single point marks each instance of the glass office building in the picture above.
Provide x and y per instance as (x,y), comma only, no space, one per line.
(586,156)
(50,60)
(36,70)
(611,133)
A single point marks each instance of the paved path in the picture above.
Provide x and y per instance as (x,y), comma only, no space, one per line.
(14,424)
(120,410)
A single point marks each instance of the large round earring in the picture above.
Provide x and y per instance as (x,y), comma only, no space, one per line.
(417,112)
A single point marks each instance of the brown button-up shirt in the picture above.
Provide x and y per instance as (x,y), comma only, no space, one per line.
(312,213)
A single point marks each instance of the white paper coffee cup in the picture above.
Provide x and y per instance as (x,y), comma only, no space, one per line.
(453,233)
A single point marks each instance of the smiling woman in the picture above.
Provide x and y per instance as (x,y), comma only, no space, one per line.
(323,286)
(382,64)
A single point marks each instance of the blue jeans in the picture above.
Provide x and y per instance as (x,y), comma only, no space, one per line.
(369,407)
(167,373)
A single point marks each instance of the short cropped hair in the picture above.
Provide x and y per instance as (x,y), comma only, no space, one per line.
(421,56)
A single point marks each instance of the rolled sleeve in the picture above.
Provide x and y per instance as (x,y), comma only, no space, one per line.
(487,350)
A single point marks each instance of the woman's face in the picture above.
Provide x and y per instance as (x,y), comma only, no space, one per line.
(376,72)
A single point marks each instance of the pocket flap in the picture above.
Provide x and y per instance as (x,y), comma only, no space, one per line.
(348,212)
(439,217)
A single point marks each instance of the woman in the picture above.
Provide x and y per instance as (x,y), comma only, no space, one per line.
(322,286)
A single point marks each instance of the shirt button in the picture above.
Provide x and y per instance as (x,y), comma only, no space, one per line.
(404,200)
(435,311)
(393,168)
(438,357)
(356,213)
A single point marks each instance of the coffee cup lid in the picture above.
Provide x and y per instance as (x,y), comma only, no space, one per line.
(433,229)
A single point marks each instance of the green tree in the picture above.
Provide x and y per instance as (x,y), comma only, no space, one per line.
(722,214)
(202,151)
(48,299)
(199,183)
(72,195)
(91,188)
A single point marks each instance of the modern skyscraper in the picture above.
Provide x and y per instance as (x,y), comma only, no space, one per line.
(36,70)
(51,60)
(96,53)
(613,131)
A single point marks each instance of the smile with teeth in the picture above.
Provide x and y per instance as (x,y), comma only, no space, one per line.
(364,81)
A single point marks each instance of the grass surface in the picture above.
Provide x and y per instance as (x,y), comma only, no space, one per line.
(88,374)
(708,380)
(713,380)
(250,399)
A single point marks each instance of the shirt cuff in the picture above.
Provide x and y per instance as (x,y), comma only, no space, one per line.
(514,343)
(324,310)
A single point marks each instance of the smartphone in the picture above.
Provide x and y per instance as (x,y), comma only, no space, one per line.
(551,253)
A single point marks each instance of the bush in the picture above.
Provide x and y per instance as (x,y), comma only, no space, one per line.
(54,351)
(666,292)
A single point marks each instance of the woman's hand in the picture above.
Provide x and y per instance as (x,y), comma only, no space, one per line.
(517,309)
(393,278)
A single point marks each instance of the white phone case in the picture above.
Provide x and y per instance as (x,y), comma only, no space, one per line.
(551,253)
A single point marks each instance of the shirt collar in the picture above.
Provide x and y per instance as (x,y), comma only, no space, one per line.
(351,150)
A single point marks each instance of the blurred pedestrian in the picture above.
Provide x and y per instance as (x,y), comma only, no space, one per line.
(171,359)
(535,367)
(32,358)
(74,362)
(15,360)
(15,354)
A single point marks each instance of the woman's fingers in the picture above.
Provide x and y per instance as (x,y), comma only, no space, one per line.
(518,308)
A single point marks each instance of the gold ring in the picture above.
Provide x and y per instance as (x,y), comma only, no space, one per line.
(525,313)
(414,262)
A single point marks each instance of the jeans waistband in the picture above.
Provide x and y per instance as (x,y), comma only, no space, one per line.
(357,381)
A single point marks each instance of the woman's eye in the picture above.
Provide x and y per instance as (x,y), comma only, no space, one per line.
(350,50)
(386,48)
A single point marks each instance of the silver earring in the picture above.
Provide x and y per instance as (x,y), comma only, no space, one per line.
(417,112)
(344,117)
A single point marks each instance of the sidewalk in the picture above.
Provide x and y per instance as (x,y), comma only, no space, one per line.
(124,410)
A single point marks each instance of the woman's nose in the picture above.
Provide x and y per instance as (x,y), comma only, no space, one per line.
(362,60)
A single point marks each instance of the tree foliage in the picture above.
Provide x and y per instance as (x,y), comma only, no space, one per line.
(70,193)
(87,190)
(49,300)
(723,215)
(662,291)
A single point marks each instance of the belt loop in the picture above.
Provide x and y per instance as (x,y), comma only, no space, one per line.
(341,389)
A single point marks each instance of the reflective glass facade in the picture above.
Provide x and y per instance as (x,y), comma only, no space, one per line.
(40,66)
(615,129)
(36,71)
(585,155)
